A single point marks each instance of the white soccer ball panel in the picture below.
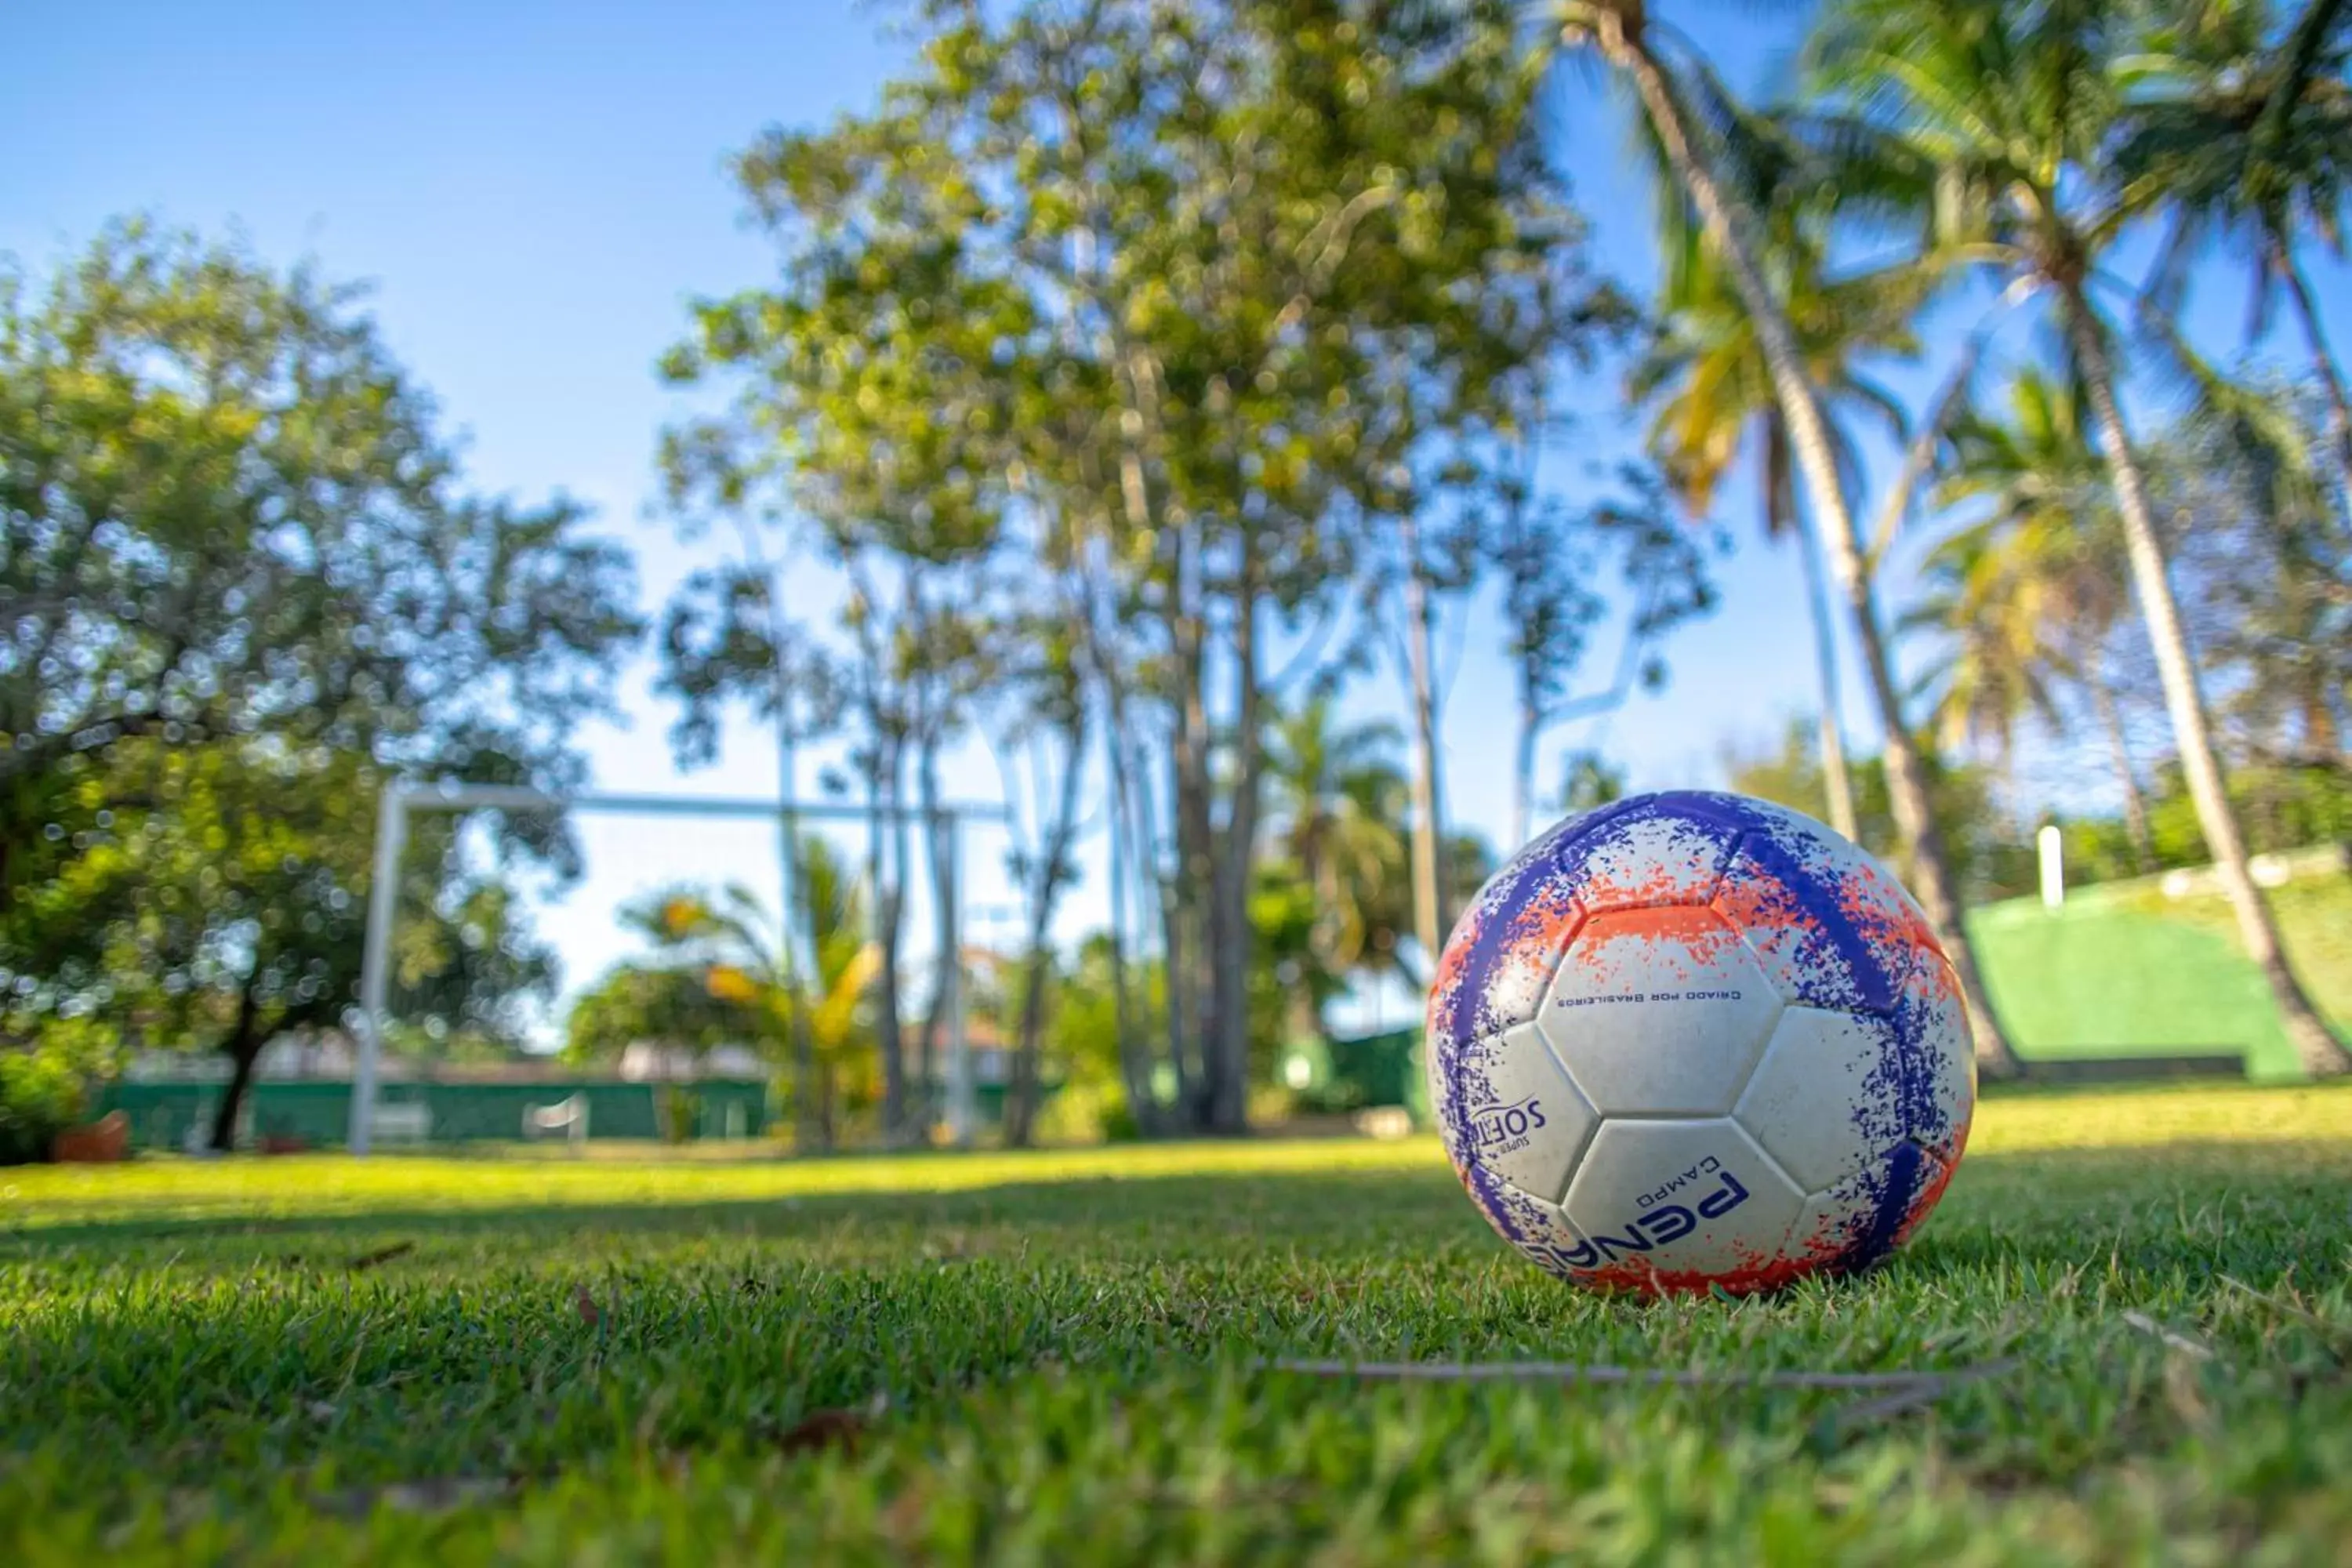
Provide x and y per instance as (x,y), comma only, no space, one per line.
(1818,1102)
(1526,1122)
(1679,1198)
(1661,1012)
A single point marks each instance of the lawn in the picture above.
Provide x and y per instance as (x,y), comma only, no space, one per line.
(1055,1358)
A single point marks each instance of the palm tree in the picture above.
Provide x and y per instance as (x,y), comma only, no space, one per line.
(1711,394)
(1621,32)
(2250,140)
(2027,595)
(2009,111)
(735,940)
(1338,803)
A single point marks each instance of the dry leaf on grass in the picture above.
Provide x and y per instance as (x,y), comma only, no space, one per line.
(435,1494)
(381,1255)
(2172,1339)
(822,1429)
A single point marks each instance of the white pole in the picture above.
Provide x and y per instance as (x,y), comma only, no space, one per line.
(375,956)
(2053,866)
(963,1109)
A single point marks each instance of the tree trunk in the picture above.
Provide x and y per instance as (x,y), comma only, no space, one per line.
(887,882)
(1021,1094)
(1134,1061)
(2314,1043)
(2111,720)
(1837,784)
(811,1120)
(1053,874)
(1428,806)
(1229,923)
(1192,1020)
(1156,894)
(243,1048)
(1728,228)
(1523,774)
(943,929)
(2322,363)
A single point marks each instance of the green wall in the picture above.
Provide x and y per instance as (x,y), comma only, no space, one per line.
(2121,971)
(319,1113)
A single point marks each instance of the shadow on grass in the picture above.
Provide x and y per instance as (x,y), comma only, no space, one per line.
(2250,1205)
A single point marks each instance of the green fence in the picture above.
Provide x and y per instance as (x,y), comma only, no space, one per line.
(161,1115)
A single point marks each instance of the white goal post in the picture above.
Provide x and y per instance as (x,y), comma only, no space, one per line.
(400,800)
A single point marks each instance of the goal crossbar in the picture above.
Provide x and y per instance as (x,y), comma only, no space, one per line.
(398,802)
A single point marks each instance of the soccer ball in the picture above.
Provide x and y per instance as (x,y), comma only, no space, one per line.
(1694,1040)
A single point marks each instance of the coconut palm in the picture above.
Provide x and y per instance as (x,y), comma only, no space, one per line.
(1711,395)
(2011,110)
(1338,801)
(1623,33)
(2247,136)
(740,951)
(2027,595)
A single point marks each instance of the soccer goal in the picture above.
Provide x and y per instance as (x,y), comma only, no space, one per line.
(728,836)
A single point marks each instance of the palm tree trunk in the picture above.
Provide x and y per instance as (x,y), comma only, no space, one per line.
(1727,226)
(1836,781)
(2320,1052)
(2111,720)
(2323,359)
(1429,824)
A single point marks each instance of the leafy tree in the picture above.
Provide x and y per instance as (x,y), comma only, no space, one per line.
(2004,115)
(665,1004)
(226,513)
(246,588)
(1189,303)
(218,897)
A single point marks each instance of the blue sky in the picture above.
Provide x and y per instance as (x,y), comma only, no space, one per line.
(535,190)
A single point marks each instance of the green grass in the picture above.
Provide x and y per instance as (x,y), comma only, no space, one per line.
(2124,970)
(1050,1360)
